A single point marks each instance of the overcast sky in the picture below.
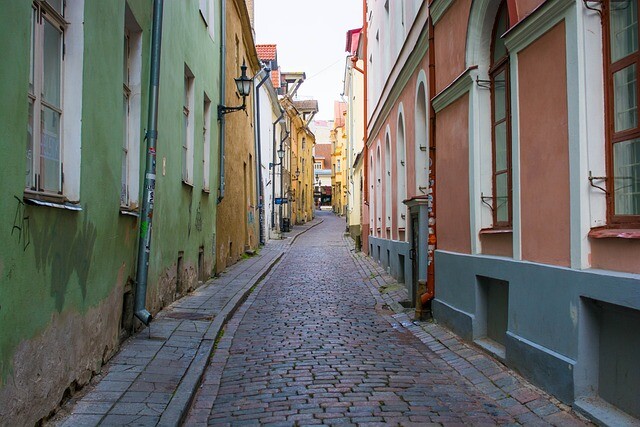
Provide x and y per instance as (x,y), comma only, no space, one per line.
(311,37)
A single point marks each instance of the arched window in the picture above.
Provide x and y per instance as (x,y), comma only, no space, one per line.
(388,194)
(421,142)
(401,174)
(500,122)
(378,201)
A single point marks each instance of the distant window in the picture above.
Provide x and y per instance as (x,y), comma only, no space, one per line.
(206,142)
(187,138)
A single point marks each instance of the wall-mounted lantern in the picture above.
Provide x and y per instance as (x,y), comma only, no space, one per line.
(243,86)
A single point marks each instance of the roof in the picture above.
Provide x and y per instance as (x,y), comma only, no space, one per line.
(306,105)
(267,52)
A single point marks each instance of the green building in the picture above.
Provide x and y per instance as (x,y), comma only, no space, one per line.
(75,98)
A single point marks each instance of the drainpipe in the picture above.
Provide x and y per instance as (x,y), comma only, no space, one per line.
(259,150)
(432,242)
(273,171)
(365,162)
(223,78)
(144,241)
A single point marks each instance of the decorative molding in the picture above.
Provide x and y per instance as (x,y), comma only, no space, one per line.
(455,90)
(437,8)
(536,24)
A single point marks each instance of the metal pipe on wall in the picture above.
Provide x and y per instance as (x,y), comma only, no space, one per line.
(144,241)
(223,77)
(259,153)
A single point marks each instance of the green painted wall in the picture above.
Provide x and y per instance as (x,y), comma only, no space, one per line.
(57,265)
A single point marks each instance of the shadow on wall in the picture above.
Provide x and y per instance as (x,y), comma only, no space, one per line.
(64,245)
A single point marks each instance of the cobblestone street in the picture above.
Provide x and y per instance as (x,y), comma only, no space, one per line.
(314,344)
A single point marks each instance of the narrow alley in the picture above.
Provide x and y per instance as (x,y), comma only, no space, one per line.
(313,346)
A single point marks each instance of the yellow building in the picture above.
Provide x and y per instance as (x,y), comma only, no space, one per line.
(301,203)
(339,166)
(237,221)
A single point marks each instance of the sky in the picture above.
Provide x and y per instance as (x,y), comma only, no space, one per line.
(311,37)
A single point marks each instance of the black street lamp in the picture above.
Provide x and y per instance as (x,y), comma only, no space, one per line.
(243,86)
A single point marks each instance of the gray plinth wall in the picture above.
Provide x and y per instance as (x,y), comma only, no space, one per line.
(575,333)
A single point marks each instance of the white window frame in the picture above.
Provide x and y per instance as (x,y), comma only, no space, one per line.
(132,90)
(206,141)
(69,19)
(188,131)
(207,13)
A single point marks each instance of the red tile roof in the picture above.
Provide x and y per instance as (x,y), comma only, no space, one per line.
(266,52)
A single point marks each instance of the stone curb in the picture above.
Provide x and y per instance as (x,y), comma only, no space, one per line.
(175,412)
(178,406)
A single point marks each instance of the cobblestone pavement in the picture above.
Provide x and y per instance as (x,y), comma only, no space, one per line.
(151,381)
(317,343)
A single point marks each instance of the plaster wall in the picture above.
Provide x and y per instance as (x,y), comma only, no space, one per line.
(544,151)
(394,257)
(525,7)
(450,43)
(542,339)
(452,169)
(237,217)
(64,273)
(616,254)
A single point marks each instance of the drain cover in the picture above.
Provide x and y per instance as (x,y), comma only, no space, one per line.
(189,315)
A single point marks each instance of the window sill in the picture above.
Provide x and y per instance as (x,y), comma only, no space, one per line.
(206,191)
(126,210)
(187,183)
(496,231)
(616,233)
(61,204)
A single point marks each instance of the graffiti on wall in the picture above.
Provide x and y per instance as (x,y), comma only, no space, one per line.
(20,227)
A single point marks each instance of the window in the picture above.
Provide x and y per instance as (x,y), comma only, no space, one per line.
(623,181)
(54,94)
(206,11)
(500,124)
(338,165)
(206,140)
(187,139)
(44,131)
(131,87)
(317,165)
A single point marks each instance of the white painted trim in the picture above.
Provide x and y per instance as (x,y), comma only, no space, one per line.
(535,25)
(401,208)
(438,9)
(453,92)
(72,99)
(423,176)
(516,188)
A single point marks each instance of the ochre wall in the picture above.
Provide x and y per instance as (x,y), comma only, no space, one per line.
(237,218)
(544,151)
(452,169)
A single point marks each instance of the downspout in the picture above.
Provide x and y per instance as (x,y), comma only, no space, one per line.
(144,241)
(259,156)
(273,172)
(430,293)
(364,229)
(223,78)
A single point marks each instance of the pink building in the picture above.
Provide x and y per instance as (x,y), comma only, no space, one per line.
(510,129)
